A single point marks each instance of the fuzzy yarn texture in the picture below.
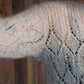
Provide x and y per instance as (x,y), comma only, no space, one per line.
(51,32)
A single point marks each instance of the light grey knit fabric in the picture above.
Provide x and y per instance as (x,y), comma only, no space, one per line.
(51,32)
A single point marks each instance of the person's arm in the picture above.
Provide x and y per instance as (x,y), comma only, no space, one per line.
(26,34)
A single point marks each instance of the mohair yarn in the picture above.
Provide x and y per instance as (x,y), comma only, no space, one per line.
(51,32)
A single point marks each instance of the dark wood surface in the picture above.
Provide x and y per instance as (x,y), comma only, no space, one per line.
(7,74)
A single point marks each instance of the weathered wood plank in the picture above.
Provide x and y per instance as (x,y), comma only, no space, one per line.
(30,71)
(20,71)
(28,3)
(1,8)
(6,66)
(39,1)
(80,1)
(40,73)
(7,8)
(18,5)
(7,72)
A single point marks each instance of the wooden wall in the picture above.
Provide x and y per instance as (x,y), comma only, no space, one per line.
(21,71)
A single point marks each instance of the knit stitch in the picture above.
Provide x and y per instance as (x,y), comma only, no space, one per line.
(51,32)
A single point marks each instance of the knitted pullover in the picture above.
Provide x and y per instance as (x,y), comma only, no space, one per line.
(51,32)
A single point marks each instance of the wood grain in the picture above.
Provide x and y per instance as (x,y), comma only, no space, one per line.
(18,6)
(80,1)
(7,8)
(7,75)
(7,72)
(30,71)
(39,1)
(40,73)
(20,71)
(28,3)
(1,8)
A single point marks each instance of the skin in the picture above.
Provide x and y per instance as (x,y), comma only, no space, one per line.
(51,32)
